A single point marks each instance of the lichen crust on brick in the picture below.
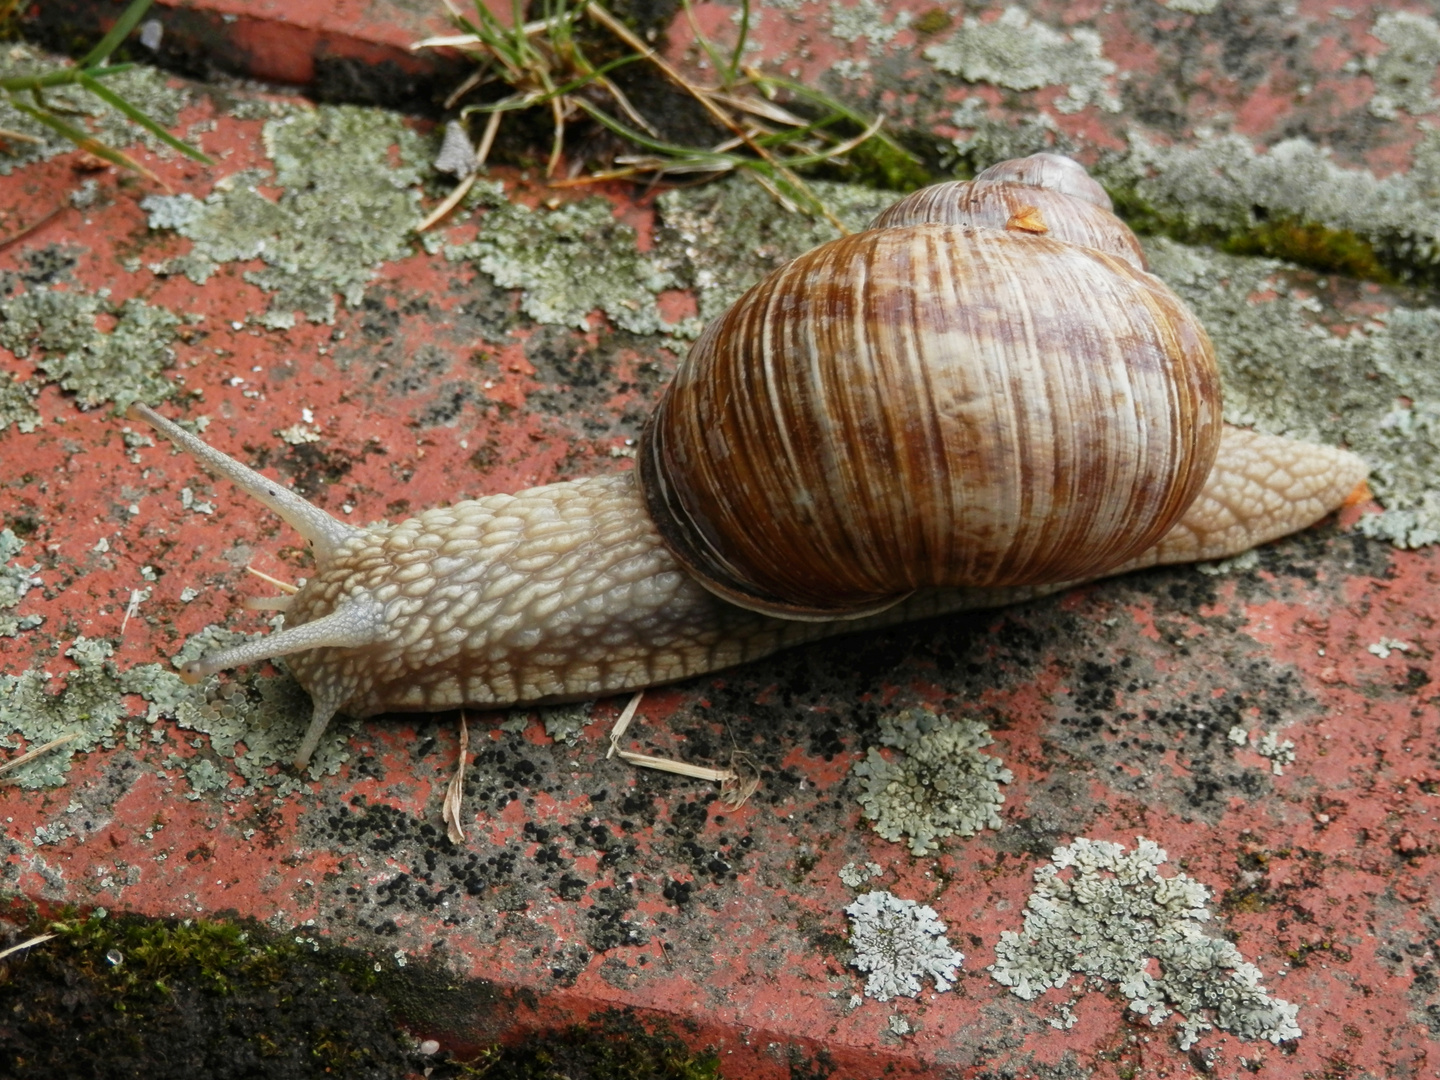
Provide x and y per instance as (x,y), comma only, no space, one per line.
(899,942)
(937,784)
(1107,915)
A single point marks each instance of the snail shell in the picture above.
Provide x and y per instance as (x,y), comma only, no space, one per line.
(993,403)
(983,389)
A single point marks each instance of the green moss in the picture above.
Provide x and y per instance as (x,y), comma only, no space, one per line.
(122,366)
(349,180)
(879,163)
(1292,203)
(1305,243)
(120,997)
(133,955)
(614,1045)
(935,21)
(125,996)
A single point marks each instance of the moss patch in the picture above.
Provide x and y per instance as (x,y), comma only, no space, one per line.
(125,997)
(613,1046)
(119,997)
(1291,202)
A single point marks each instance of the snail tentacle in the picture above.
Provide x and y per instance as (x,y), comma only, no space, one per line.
(327,533)
(355,624)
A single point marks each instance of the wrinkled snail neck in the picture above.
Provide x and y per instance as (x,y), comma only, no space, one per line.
(566,592)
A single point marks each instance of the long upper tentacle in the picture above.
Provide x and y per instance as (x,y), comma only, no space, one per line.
(322,530)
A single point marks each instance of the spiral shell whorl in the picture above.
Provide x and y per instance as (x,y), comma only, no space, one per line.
(1050,171)
(931,405)
(1032,194)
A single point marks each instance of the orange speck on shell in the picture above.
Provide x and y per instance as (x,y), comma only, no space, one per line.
(1027,219)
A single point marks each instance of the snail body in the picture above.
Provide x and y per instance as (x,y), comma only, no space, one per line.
(1017,412)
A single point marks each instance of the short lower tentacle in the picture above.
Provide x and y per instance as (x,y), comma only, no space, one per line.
(357,622)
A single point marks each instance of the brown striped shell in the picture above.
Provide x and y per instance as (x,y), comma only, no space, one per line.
(973,402)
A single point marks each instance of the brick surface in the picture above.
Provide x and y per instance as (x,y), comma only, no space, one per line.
(583,883)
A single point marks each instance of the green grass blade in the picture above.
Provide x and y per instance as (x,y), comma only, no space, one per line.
(83,139)
(63,77)
(715,58)
(115,101)
(128,20)
(738,54)
(689,154)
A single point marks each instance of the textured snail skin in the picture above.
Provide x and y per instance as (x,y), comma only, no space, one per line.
(565,592)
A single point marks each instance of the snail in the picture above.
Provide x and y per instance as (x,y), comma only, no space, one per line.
(982,398)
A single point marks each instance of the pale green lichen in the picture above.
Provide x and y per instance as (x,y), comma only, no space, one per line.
(1372,385)
(985,139)
(1018,52)
(89,705)
(1405,69)
(570,262)
(855,875)
(1223,189)
(717,240)
(1281,752)
(1106,914)
(724,237)
(15,582)
(253,722)
(204,776)
(866,20)
(17,403)
(899,942)
(349,180)
(566,723)
(123,365)
(1192,7)
(145,88)
(938,783)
